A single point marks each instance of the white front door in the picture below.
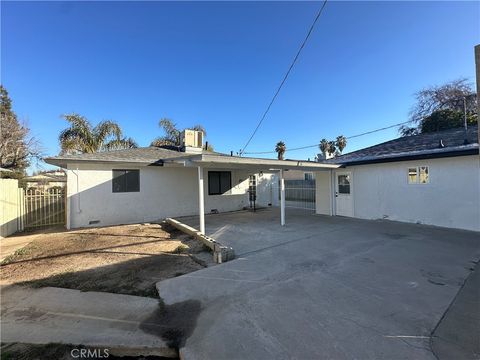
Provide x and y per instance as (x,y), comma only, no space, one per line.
(343,193)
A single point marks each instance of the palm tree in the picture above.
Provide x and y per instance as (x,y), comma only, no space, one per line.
(280,148)
(341,143)
(323,146)
(172,135)
(81,137)
(331,148)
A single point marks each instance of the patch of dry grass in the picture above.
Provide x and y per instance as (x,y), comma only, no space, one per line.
(126,259)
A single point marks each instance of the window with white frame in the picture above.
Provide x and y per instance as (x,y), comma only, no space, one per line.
(412,175)
(423,174)
(418,175)
(308,176)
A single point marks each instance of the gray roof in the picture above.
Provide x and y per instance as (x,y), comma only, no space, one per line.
(404,148)
(143,155)
(158,156)
(426,145)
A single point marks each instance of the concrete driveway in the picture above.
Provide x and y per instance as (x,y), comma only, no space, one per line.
(322,287)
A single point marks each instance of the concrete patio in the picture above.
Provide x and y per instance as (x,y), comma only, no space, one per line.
(322,287)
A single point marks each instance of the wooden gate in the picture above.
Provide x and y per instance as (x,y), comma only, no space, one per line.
(44,208)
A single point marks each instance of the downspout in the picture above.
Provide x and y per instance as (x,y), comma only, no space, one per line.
(333,194)
(79,210)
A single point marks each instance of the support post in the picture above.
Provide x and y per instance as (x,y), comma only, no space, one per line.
(282,199)
(201,206)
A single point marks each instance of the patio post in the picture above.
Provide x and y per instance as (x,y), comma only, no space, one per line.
(282,199)
(201,206)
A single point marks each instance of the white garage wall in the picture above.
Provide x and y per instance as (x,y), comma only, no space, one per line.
(450,199)
(164,192)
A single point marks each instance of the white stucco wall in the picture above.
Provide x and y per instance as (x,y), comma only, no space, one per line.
(323,193)
(164,192)
(450,199)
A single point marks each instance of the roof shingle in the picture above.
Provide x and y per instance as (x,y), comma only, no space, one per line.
(414,146)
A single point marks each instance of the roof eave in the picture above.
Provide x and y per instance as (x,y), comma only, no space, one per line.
(235,161)
(63,163)
(434,155)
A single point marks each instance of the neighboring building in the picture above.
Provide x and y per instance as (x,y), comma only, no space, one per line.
(299,175)
(46,180)
(431,178)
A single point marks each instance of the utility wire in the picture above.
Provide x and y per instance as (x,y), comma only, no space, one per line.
(285,77)
(347,137)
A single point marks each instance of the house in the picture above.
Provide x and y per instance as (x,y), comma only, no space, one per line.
(46,180)
(147,184)
(431,178)
(428,178)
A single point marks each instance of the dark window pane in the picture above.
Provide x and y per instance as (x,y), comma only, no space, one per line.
(125,180)
(225,181)
(118,181)
(219,182)
(213,183)
(133,180)
(343,184)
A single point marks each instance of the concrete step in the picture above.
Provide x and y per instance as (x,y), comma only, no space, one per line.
(126,325)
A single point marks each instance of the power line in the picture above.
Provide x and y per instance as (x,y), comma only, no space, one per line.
(347,137)
(285,77)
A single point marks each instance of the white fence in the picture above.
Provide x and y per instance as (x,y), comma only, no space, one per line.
(300,194)
(20,209)
(44,208)
(12,206)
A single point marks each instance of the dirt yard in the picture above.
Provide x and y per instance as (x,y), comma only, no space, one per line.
(127,259)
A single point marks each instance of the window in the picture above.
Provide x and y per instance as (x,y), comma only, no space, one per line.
(412,175)
(308,176)
(219,182)
(423,174)
(125,181)
(418,175)
(344,184)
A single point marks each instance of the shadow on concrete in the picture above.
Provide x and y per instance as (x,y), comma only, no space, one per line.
(457,335)
(177,322)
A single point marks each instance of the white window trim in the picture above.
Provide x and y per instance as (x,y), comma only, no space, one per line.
(309,172)
(417,177)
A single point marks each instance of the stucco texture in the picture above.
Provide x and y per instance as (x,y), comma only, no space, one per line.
(164,192)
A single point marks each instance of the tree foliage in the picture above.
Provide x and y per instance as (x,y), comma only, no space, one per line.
(82,137)
(280,149)
(341,143)
(445,119)
(443,104)
(332,147)
(323,146)
(172,134)
(17,147)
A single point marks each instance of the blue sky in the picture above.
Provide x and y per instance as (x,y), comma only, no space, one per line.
(219,63)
